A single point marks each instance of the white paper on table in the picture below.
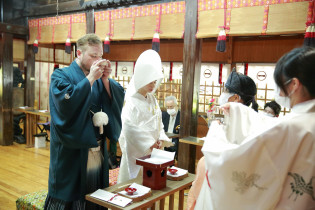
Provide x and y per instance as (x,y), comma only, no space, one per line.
(203,138)
(43,110)
(23,107)
(180,172)
(111,198)
(159,156)
(141,190)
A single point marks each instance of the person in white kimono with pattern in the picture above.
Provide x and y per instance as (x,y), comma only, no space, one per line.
(267,167)
(142,127)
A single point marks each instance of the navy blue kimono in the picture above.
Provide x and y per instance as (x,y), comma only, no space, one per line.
(72,104)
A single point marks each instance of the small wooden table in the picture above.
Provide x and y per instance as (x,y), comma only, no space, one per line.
(31,122)
(192,140)
(157,195)
(172,135)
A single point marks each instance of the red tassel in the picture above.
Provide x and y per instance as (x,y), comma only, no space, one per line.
(35,46)
(68,46)
(221,42)
(106,44)
(156,42)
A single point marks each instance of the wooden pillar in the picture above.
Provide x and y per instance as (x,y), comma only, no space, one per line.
(6,89)
(30,77)
(190,87)
(90,27)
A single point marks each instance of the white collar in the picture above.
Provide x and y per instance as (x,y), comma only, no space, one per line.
(306,106)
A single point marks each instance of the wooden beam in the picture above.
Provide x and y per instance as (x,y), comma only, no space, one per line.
(90,26)
(64,7)
(13,29)
(6,89)
(190,87)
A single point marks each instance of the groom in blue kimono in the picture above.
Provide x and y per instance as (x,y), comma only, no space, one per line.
(76,93)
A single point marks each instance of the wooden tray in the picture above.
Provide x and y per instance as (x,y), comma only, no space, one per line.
(178,178)
(134,199)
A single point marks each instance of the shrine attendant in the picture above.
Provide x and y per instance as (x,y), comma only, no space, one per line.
(142,127)
(274,168)
(238,88)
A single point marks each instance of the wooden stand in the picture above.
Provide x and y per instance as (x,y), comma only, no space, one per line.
(154,175)
(177,178)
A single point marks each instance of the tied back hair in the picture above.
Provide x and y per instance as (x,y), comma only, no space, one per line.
(245,88)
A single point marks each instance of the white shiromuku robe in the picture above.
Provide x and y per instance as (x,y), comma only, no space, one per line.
(271,169)
(141,127)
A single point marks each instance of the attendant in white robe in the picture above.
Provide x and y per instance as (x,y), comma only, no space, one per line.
(273,168)
(142,127)
(238,88)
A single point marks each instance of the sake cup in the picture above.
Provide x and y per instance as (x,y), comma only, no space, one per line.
(130,190)
(172,170)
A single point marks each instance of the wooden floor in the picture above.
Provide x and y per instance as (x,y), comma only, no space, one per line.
(25,170)
(22,171)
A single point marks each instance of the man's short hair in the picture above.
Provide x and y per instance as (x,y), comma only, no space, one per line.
(88,39)
(171,98)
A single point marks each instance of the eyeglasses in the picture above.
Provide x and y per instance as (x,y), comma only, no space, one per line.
(288,82)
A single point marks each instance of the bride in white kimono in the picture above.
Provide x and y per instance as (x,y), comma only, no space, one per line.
(269,169)
(142,127)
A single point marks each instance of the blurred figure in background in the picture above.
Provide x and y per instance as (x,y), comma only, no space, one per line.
(18,100)
(272,109)
(171,120)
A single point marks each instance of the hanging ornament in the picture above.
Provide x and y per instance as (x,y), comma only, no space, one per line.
(35,46)
(156,36)
(156,42)
(309,38)
(68,42)
(68,46)
(100,119)
(221,42)
(106,44)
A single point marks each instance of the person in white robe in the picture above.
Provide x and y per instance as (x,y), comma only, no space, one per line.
(238,88)
(142,127)
(272,167)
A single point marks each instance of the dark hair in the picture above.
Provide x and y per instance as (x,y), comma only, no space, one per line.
(244,86)
(17,77)
(274,106)
(298,63)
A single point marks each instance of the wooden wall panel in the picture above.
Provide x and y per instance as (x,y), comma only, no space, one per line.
(265,50)
(209,53)
(170,50)
(18,50)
